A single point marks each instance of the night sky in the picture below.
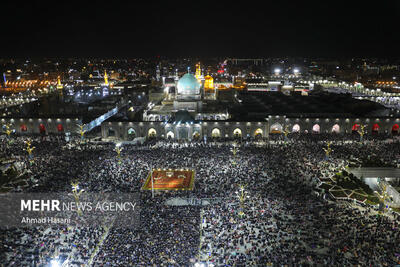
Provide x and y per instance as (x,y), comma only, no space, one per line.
(275,29)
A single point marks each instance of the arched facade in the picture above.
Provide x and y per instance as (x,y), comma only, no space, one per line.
(316,128)
(237,133)
(196,135)
(111,132)
(227,129)
(395,129)
(276,128)
(131,134)
(42,128)
(170,135)
(216,133)
(336,128)
(151,133)
(60,128)
(355,127)
(296,128)
(42,125)
(258,133)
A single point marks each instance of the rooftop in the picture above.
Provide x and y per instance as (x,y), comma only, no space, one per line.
(258,105)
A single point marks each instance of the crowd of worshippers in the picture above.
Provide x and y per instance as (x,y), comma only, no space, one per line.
(286,221)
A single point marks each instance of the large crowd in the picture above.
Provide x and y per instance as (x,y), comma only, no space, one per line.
(287,221)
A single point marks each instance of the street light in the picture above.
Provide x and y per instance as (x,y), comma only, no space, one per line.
(76,191)
(384,196)
(8,130)
(286,132)
(29,149)
(242,195)
(328,150)
(362,132)
(118,149)
(234,150)
(81,131)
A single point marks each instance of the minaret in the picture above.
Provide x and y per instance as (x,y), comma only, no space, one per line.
(158,73)
(59,85)
(176,75)
(105,78)
(198,72)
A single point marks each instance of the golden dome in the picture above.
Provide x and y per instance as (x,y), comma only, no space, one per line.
(208,82)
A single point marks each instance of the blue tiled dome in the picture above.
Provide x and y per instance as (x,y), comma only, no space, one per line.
(188,85)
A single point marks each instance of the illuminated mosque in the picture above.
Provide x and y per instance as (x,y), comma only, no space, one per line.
(187,102)
(193,107)
(193,94)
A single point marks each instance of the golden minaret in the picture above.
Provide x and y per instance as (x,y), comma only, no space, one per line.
(59,85)
(105,78)
(198,72)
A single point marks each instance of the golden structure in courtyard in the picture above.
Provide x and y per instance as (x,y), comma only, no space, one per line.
(328,150)
(242,196)
(81,131)
(77,193)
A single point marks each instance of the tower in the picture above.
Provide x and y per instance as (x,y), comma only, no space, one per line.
(105,78)
(158,73)
(198,72)
(59,85)
(176,75)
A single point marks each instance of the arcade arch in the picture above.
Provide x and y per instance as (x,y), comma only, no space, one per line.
(336,128)
(42,128)
(151,133)
(111,132)
(237,133)
(395,129)
(375,128)
(216,133)
(131,133)
(355,128)
(60,128)
(276,128)
(316,128)
(170,135)
(196,135)
(258,133)
(296,128)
